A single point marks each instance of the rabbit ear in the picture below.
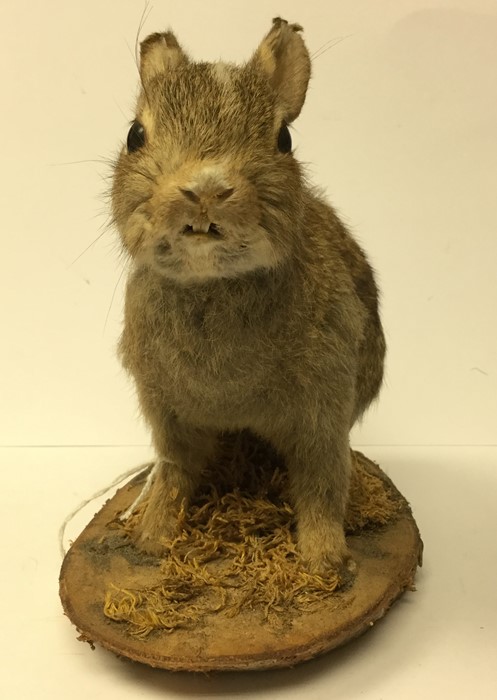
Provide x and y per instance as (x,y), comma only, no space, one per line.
(284,57)
(160,53)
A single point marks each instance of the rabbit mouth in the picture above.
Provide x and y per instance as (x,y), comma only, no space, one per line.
(212,232)
(196,253)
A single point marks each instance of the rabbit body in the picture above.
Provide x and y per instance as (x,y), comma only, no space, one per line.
(249,306)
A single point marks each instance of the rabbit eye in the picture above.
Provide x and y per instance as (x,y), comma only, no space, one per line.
(284,140)
(136,137)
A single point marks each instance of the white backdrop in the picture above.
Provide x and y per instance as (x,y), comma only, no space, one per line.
(399,127)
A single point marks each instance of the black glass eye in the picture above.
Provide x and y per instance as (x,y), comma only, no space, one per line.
(136,137)
(284,140)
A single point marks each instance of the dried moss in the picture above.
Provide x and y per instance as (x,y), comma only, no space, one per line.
(237,548)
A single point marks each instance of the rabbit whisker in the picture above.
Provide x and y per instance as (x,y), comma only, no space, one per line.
(329,45)
(114,295)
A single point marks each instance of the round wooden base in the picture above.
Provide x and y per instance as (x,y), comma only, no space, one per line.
(386,558)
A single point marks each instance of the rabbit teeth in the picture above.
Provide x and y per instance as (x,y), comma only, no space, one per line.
(212,231)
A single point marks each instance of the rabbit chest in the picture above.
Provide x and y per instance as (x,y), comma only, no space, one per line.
(213,357)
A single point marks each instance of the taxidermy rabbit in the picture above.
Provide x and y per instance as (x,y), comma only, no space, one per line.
(249,305)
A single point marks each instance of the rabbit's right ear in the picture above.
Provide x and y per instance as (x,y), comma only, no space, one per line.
(160,53)
(284,58)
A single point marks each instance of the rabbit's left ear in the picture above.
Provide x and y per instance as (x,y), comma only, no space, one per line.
(159,54)
(284,58)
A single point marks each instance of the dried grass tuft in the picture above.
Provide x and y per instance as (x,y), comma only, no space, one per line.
(236,548)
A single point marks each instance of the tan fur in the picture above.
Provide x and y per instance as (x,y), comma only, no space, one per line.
(160,53)
(272,324)
(284,58)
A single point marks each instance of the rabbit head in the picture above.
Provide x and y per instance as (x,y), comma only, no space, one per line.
(206,185)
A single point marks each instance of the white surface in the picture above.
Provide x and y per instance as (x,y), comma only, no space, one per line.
(439,642)
(399,126)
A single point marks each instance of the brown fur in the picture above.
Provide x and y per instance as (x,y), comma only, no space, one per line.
(272,324)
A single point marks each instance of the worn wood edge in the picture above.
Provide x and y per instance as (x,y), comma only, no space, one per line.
(283,658)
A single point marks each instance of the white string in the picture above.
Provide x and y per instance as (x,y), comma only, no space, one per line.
(102,492)
(146,488)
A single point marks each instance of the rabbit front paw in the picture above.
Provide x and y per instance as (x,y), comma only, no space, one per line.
(324,550)
(154,537)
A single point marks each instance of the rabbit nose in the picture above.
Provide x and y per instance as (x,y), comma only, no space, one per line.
(221,194)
